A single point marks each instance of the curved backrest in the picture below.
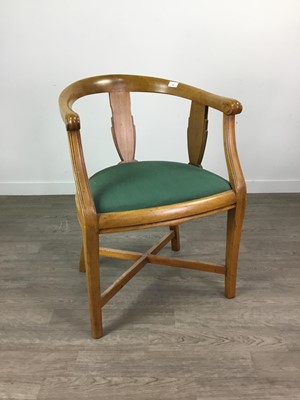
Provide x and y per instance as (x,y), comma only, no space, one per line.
(135,83)
(123,129)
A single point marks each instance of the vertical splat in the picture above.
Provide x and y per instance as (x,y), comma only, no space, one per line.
(197,132)
(123,129)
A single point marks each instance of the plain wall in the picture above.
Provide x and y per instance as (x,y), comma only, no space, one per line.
(247,50)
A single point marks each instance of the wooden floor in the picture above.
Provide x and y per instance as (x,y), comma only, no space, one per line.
(170,333)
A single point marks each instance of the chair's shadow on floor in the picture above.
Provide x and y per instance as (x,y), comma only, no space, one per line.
(167,292)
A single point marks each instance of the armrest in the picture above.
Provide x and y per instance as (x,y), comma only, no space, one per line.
(134,83)
(226,105)
(70,117)
(235,173)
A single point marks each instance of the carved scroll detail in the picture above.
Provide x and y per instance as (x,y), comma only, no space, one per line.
(123,129)
(197,132)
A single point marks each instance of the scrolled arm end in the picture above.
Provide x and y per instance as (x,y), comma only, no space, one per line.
(71,118)
(72,122)
(232,107)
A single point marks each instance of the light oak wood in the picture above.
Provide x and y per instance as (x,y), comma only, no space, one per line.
(91,256)
(175,243)
(134,83)
(110,292)
(189,264)
(167,261)
(120,254)
(171,222)
(82,260)
(123,130)
(236,177)
(89,259)
(234,230)
(134,269)
(164,214)
(197,132)
(235,216)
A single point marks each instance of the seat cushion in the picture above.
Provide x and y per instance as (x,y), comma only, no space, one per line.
(145,184)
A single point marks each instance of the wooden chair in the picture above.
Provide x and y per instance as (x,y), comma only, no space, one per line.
(139,195)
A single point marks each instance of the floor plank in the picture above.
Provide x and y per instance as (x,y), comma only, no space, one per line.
(170,333)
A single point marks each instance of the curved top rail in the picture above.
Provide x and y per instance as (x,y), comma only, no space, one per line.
(136,83)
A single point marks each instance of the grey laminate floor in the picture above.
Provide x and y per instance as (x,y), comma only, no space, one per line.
(170,333)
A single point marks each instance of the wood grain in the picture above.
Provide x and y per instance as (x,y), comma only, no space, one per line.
(123,129)
(135,83)
(166,215)
(19,390)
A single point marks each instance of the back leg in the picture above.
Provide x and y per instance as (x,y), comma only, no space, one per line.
(175,243)
(82,260)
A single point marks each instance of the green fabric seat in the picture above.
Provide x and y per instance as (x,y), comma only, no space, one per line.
(144,184)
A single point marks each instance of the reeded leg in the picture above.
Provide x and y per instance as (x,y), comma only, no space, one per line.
(91,256)
(234,229)
(81,260)
(175,242)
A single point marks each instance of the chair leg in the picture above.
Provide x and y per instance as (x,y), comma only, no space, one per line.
(235,218)
(91,256)
(175,242)
(81,260)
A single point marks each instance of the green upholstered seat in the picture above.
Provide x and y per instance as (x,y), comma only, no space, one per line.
(144,184)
